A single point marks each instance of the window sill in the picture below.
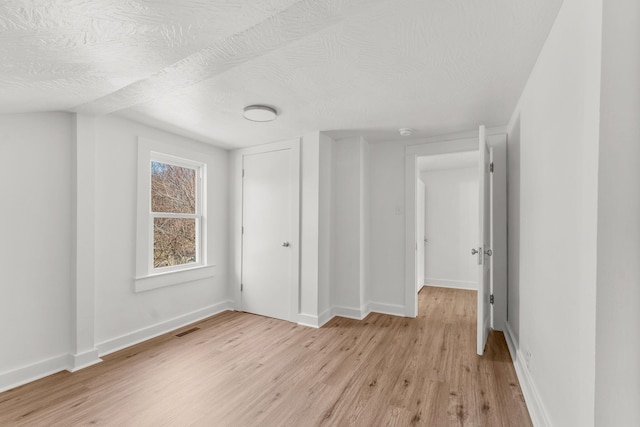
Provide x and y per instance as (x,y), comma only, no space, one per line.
(168,278)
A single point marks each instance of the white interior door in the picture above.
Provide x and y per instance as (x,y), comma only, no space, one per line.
(267,239)
(484,251)
(420,235)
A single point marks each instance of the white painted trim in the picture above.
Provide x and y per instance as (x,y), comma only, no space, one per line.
(135,337)
(169,278)
(511,342)
(83,360)
(391,309)
(325,316)
(350,312)
(536,408)
(361,313)
(453,284)
(26,374)
(308,320)
(146,277)
(315,321)
(499,232)
(83,238)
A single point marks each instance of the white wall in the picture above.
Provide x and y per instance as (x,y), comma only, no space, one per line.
(315,266)
(36,250)
(513,230)
(325,228)
(387,216)
(348,219)
(559,114)
(617,401)
(451,225)
(386,207)
(122,316)
(365,227)
(309,227)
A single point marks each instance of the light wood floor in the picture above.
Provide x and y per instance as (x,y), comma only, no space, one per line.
(240,369)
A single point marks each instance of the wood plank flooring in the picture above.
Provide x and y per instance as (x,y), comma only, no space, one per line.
(240,369)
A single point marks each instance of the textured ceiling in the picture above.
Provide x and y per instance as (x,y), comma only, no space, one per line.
(347,66)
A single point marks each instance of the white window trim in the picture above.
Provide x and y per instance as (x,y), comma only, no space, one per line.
(147,276)
(199,169)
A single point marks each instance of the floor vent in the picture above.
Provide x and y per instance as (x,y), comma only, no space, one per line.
(188,331)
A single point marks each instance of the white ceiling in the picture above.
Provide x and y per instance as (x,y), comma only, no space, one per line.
(363,67)
(464,159)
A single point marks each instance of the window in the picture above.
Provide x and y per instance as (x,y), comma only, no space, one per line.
(175,213)
(172,218)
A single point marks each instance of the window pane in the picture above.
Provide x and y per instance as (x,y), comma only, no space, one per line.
(174,241)
(173,188)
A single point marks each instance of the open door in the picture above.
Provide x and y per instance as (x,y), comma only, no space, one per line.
(484,251)
(420,237)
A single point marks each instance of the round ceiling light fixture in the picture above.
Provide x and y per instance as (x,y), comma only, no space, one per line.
(259,113)
(405,131)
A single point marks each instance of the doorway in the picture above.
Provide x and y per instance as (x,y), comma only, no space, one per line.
(448,223)
(492,208)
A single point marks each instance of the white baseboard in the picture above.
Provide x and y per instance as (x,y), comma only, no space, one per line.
(536,408)
(330,313)
(325,316)
(350,312)
(392,309)
(135,337)
(455,284)
(83,360)
(308,320)
(316,321)
(26,374)
(371,307)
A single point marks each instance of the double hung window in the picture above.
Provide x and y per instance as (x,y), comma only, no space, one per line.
(172,223)
(175,213)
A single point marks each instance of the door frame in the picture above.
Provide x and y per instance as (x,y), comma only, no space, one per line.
(412,152)
(236,196)
(467,141)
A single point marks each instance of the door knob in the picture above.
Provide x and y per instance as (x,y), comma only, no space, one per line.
(474,251)
(285,244)
(488,252)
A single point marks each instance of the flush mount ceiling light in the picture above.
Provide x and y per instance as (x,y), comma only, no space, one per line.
(405,131)
(259,113)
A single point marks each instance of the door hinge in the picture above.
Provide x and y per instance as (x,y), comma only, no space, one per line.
(242,232)
(491,167)
(243,173)
(241,287)
(491,299)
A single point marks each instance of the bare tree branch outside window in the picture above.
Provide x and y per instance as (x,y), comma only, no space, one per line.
(173,190)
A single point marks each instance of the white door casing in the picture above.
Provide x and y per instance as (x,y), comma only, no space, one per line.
(483,249)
